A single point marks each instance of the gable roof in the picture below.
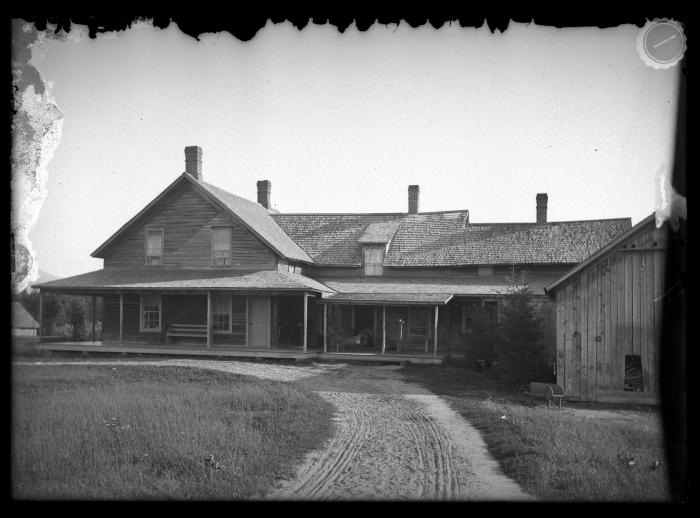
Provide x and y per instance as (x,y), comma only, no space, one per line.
(447,239)
(251,215)
(379,233)
(603,251)
(258,219)
(21,318)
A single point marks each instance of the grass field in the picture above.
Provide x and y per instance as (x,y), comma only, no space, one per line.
(579,453)
(103,432)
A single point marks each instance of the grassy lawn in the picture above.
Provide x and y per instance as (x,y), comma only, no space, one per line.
(105,432)
(577,453)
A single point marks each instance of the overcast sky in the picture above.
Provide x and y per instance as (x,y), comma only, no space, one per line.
(345,122)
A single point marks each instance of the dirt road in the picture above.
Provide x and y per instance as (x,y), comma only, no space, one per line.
(393,440)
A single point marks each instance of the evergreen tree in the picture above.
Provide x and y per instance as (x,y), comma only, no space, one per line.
(521,339)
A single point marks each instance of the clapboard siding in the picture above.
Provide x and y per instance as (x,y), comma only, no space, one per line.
(609,310)
(187,219)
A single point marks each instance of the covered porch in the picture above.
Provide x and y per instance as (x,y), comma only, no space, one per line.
(401,324)
(194,311)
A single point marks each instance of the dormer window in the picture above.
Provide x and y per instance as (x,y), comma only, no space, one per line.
(154,247)
(374,259)
(221,244)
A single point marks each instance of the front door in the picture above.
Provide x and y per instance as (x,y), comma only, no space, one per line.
(259,321)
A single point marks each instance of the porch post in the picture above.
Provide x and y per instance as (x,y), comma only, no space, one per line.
(306,318)
(208,319)
(325,327)
(435,332)
(383,329)
(374,327)
(121,318)
(41,314)
(93,318)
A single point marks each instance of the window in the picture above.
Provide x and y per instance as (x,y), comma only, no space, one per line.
(491,309)
(373,259)
(469,311)
(154,247)
(150,313)
(417,322)
(485,270)
(221,314)
(221,243)
(634,374)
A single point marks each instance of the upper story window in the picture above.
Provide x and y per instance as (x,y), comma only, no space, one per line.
(154,246)
(374,259)
(221,244)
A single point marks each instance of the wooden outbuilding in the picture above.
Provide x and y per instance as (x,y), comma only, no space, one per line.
(608,318)
(23,323)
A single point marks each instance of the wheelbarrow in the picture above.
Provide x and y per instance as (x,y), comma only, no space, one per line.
(547,391)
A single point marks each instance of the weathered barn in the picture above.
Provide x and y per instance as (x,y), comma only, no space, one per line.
(608,318)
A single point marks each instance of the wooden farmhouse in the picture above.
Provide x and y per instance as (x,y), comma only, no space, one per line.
(608,318)
(202,271)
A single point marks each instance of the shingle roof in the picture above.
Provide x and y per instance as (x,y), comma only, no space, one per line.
(447,239)
(259,220)
(398,299)
(335,238)
(479,286)
(380,233)
(520,243)
(21,319)
(126,279)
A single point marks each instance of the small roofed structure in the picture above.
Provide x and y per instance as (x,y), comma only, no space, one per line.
(23,323)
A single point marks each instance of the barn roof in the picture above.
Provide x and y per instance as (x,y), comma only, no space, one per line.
(178,279)
(21,318)
(447,239)
(610,247)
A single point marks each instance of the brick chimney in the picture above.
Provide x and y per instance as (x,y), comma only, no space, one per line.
(264,189)
(541,208)
(413,199)
(193,162)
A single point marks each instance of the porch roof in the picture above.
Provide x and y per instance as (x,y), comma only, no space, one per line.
(164,279)
(480,286)
(393,299)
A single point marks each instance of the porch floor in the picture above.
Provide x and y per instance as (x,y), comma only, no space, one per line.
(295,353)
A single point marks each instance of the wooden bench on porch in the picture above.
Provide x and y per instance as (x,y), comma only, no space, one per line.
(186,330)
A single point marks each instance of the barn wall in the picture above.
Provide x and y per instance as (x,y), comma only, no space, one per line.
(610,310)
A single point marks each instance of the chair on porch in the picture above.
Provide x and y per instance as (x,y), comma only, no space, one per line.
(341,340)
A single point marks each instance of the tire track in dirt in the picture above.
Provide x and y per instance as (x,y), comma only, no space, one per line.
(392,440)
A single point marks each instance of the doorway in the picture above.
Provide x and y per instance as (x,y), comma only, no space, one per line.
(259,321)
